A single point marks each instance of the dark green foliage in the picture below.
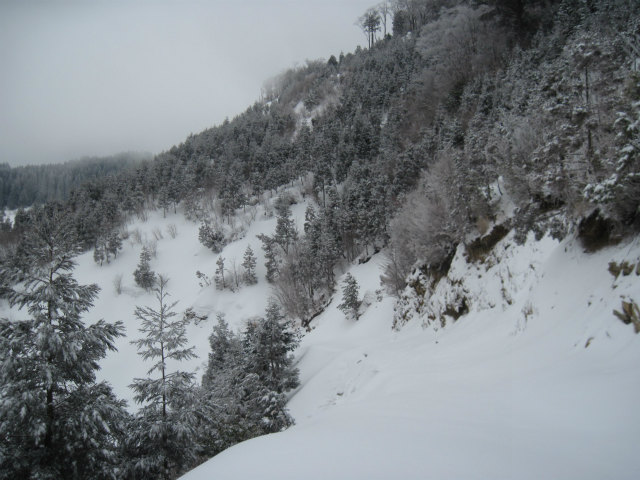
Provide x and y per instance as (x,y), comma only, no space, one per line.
(249,266)
(247,378)
(211,237)
(286,233)
(56,421)
(220,281)
(350,302)
(162,436)
(143,275)
(271,257)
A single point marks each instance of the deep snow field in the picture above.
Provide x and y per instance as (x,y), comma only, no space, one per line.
(538,381)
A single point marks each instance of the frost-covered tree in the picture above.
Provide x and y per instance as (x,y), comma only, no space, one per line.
(272,262)
(56,420)
(249,267)
(114,244)
(269,369)
(268,347)
(218,276)
(221,388)
(143,275)
(100,252)
(350,302)
(370,24)
(286,232)
(619,193)
(211,237)
(163,439)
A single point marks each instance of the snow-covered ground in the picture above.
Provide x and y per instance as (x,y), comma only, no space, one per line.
(538,380)
(544,385)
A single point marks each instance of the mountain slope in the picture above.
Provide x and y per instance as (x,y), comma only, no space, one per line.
(497,394)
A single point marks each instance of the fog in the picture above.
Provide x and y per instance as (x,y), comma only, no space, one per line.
(83,78)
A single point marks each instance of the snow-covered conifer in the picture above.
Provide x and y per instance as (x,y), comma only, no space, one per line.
(249,266)
(143,275)
(211,237)
(350,302)
(286,232)
(221,283)
(56,421)
(270,257)
(162,437)
(114,244)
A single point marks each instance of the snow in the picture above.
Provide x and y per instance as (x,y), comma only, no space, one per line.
(493,395)
(538,380)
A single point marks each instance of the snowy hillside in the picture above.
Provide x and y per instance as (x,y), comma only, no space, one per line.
(538,380)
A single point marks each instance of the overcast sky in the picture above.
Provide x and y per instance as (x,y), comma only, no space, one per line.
(97,77)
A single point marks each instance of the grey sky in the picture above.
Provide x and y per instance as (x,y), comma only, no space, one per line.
(96,77)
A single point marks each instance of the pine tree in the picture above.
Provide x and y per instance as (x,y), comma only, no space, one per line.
(268,349)
(114,244)
(99,252)
(162,436)
(286,232)
(56,421)
(269,370)
(222,388)
(221,284)
(211,238)
(350,303)
(143,275)
(270,257)
(249,266)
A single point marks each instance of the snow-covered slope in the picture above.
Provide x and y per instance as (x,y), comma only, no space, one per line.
(178,259)
(538,380)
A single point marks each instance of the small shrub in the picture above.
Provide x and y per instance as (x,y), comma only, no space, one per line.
(595,232)
(630,314)
(625,268)
(172,230)
(136,237)
(203,280)
(117,284)
(157,234)
(478,249)
(152,248)
(483,224)
(211,237)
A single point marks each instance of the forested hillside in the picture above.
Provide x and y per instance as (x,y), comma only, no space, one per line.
(24,186)
(461,122)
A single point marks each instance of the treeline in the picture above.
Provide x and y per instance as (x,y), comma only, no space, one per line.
(472,102)
(25,186)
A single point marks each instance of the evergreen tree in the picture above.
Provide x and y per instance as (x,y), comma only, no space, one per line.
(222,386)
(270,256)
(56,421)
(350,303)
(114,244)
(269,370)
(211,237)
(286,232)
(143,275)
(99,252)
(268,347)
(162,440)
(221,283)
(249,266)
